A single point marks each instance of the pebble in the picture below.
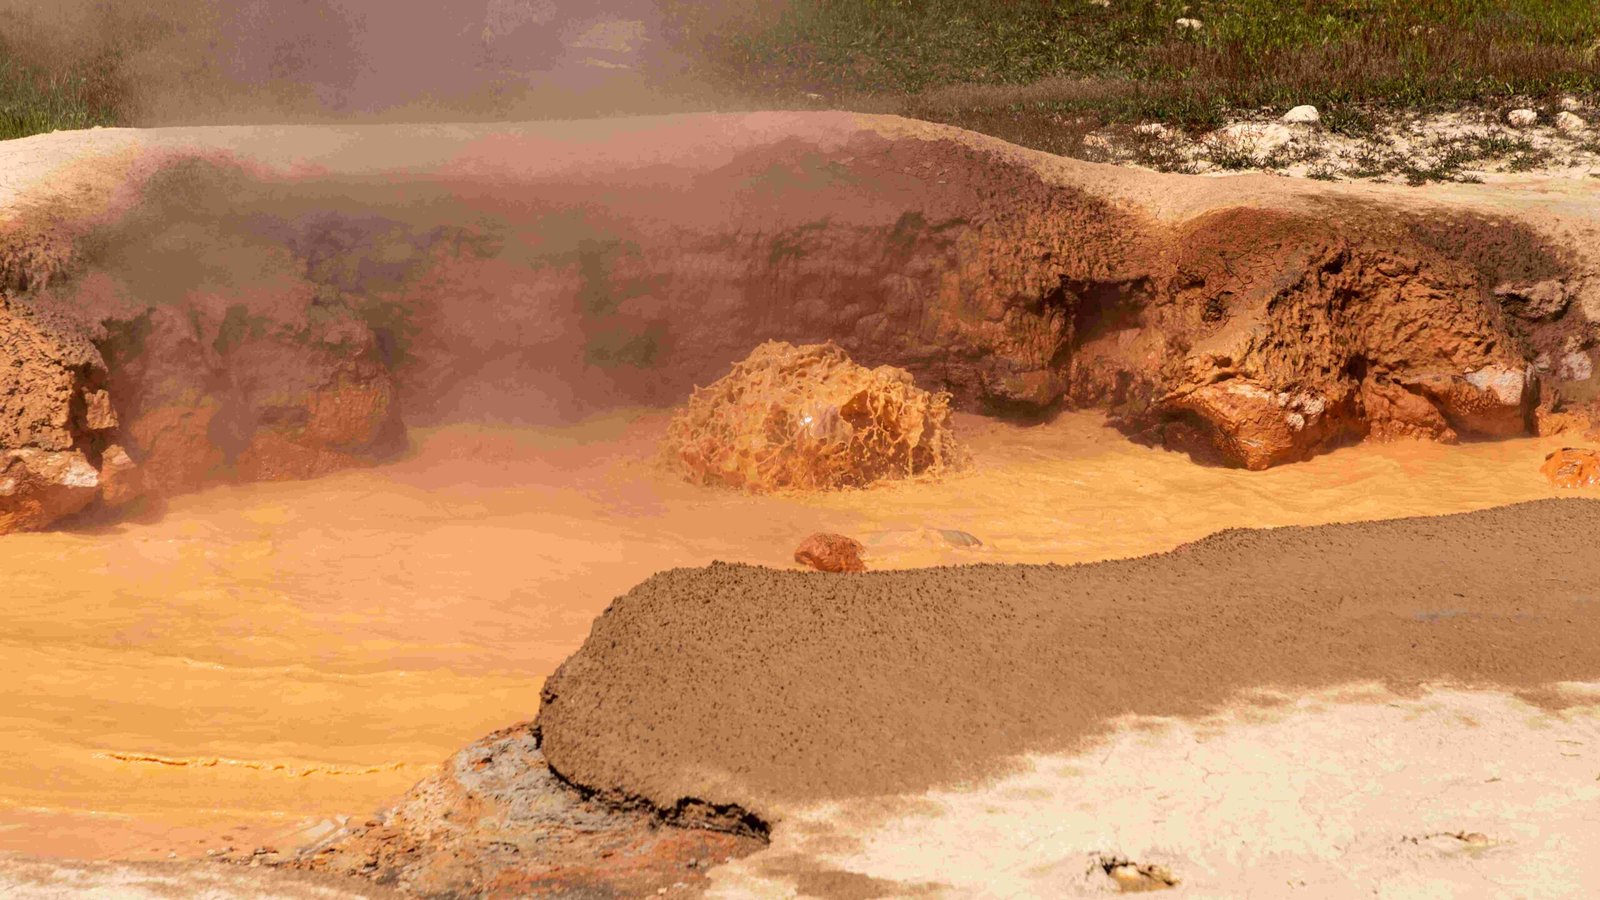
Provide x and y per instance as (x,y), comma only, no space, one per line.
(1570,123)
(1522,118)
(1191,24)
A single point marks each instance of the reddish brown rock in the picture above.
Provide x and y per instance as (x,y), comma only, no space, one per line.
(121,479)
(38,487)
(830,553)
(1571,467)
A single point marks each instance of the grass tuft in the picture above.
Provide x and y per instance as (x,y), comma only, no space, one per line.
(1043,72)
(35,99)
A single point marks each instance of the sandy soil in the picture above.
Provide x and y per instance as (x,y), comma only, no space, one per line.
(766,689)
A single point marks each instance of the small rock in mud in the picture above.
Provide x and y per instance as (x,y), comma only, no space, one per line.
(830,553)
(1522,118)
(1131,877)
(1572,467)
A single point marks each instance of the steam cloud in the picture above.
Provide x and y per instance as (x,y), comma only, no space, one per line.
(252,61)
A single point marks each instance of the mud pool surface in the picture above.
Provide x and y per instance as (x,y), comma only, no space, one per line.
(253,662)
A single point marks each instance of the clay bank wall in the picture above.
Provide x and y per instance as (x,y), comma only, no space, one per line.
(187,306)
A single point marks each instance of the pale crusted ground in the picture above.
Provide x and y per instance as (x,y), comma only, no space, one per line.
(1357,793)
(1467,146)
(22,878)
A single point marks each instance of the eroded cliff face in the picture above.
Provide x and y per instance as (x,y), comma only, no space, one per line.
(231,321)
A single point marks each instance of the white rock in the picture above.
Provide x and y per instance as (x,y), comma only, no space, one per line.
(1153,129)
(1191,24)
(1569,104)
(1103,4)
(1303,115)
(1522,118)
(1570,123)
(1503,382)
(1577,366)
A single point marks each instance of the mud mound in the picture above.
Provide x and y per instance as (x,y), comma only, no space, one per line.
(753,688)
(810,418)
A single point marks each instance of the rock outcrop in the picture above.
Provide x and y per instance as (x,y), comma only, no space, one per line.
(809,418)
(242,305)
(495,822)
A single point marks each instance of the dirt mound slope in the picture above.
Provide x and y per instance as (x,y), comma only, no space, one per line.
(211,304)
(809,418)
(495,822)
(750,689)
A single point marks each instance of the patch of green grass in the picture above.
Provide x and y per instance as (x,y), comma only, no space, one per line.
(1528,161)
(1041,72)
(36,99)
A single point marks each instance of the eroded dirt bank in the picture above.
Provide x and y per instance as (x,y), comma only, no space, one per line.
(194,305)
(758,690)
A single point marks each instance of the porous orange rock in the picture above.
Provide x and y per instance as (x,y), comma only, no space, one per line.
(831,553)
(809,418)
(1571,467)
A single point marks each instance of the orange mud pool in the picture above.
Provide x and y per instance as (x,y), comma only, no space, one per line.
(254,662)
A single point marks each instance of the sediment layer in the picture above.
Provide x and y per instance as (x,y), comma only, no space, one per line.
(741,688)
